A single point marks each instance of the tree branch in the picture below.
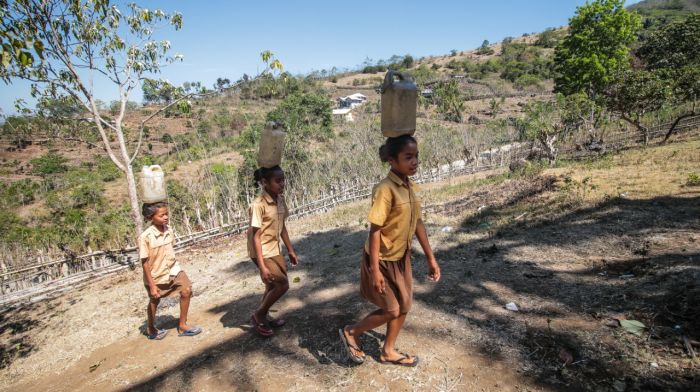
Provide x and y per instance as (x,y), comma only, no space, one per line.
(675,123)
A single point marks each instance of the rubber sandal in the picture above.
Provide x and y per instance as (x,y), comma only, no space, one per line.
(158,335)
(276,323)
(399,360)
(261,328)
(190,332)
(353,357)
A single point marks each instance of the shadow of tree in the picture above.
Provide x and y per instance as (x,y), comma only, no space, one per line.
(16,331)
(558,337)
(625,278)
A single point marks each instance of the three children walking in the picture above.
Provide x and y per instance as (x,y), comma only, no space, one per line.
(386,277)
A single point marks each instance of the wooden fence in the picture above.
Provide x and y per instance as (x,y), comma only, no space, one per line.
(48,278)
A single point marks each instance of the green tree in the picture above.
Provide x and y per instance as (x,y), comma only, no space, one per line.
(672,53)
(160,91)
(407,61)
(484,49)
(595,47)
(222,83)
(548,122)
(632,94)
(304,115)
(449,101)
(61,46)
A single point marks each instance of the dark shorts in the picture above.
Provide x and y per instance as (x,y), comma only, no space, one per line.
(398,279)
(174,286)
(277,266)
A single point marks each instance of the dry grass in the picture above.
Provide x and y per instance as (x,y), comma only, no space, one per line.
(570,256)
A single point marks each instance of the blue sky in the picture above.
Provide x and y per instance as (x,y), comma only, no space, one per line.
(225,38)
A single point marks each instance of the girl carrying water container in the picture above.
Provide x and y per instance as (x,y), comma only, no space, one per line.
(268,213)
(385,274)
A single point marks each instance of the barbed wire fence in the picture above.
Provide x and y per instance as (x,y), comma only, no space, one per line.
(48,278)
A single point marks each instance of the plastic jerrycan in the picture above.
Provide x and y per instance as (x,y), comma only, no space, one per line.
(399,103)
(153,184)
(271,145)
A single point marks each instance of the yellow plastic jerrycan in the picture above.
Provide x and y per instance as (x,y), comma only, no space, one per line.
(271,145)
(399,104)
(153,184)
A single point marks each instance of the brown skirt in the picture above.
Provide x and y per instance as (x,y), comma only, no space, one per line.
(398,279)
(174,286)
(277,266)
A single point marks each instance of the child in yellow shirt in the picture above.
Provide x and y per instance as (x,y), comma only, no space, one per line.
(267,227)
(162,274)
(386,277)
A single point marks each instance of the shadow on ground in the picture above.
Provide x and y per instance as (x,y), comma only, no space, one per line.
(627,273)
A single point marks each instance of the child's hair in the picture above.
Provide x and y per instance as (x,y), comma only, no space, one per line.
(393,146)
(149,209)
(264,173)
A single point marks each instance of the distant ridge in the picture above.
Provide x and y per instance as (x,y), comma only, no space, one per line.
(682,6)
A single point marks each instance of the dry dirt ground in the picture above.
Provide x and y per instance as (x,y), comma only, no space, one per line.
(573,247)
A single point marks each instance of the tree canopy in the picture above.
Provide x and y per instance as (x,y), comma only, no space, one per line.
(595,48)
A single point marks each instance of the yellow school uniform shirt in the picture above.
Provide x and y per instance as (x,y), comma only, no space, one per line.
(157,247)
(397,210)
(268,215)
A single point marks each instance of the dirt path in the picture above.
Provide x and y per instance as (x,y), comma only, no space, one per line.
(305,355)
(570,260)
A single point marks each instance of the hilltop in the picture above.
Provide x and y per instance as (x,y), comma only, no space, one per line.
(61,197)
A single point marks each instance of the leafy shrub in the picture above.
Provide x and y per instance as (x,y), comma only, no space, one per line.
(693,179)
(204,127)
(448,100)
(527,80)
(222,169)
(484,49)
(304,114)
(222,119)
(249,137)
(107,170)
(370,69)
(549,38)
(166,138)
(50,163)
(22,192)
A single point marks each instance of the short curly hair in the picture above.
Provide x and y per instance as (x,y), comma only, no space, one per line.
(149,209)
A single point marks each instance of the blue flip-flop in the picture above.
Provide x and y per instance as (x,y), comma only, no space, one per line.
(158,335)
(190,332)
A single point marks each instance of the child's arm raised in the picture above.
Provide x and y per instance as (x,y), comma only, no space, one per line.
(264,272)
(290,249)
(377,277)
(433,267)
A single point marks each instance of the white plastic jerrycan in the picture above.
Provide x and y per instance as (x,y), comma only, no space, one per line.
(153,184)
(271,145)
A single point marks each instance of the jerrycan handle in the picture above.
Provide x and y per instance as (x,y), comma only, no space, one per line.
(389,78)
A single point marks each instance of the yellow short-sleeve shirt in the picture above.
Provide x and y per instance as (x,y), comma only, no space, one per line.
(397,210)
(267,215)
(157,248)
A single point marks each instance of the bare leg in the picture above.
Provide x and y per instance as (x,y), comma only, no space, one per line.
(275,293)
(268,288)
(185,295)
(393,327)
(151,312)
(373,320)
(389,352)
